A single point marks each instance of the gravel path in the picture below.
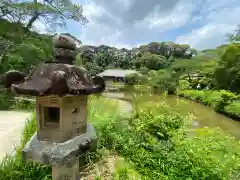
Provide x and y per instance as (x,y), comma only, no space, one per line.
(11,127)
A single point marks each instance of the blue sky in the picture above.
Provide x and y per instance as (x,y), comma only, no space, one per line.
(129,23)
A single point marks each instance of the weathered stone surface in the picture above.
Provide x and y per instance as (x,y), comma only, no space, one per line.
(61,52)
(13,76)
(68,171)
(63,41)
(58,154)
(59,79)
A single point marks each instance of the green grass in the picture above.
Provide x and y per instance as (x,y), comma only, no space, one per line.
(155,144)
(152,144)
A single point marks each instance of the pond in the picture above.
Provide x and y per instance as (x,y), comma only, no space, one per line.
(204,116)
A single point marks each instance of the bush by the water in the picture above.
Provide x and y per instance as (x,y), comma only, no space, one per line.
(222,101)
(156,145)
(233,109)
(153,145)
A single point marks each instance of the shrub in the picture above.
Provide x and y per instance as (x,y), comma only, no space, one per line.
(131,79)
(233,109)
(192,94)
(163,80)
(155,144)
(6,100)
(215,99)
(183,85)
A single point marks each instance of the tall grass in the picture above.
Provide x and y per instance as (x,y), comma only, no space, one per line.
(101,110)
(152,145)
(156,145)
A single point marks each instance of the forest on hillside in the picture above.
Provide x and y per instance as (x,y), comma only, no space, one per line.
(165,63)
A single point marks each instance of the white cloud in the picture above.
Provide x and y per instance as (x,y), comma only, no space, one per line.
(105,27)
(213,33)
(208,36)
(179,16)
(128,23)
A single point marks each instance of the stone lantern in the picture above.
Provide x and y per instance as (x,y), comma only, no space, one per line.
(61,91)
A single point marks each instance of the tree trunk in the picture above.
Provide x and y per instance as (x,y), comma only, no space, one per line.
(34,17)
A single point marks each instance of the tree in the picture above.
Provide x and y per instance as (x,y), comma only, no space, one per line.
(132,78)
(52,13)
(151,61)
(164,80)
(235,36)
(228,71)
(5,47)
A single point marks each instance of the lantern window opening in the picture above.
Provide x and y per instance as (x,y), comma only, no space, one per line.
(51,117)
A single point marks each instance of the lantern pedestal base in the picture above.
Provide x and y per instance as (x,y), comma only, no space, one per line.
(57,154)
(68,171)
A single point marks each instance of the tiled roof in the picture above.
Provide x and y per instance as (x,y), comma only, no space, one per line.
(116,72)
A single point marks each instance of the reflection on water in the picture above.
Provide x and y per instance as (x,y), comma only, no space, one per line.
(114,94)
(203,116)
(195,124)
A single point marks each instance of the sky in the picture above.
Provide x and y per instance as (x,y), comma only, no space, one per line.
(202,24)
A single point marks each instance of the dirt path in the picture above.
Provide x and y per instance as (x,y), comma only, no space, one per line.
(11,126)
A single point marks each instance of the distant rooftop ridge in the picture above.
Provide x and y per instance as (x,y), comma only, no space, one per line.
(117,72)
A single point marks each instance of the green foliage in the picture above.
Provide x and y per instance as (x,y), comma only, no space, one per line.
(134,78)
(8,101)
(221,101)
(78,61)
(152,145)
(143,70)
(233,109)
(21,52)
(52,13)
(164,80)
(151,61)
(124,171)
(153,56)
(183,85)
(156,145)
(228,70)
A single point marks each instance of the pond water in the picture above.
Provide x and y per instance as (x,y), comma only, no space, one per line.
(203,116)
